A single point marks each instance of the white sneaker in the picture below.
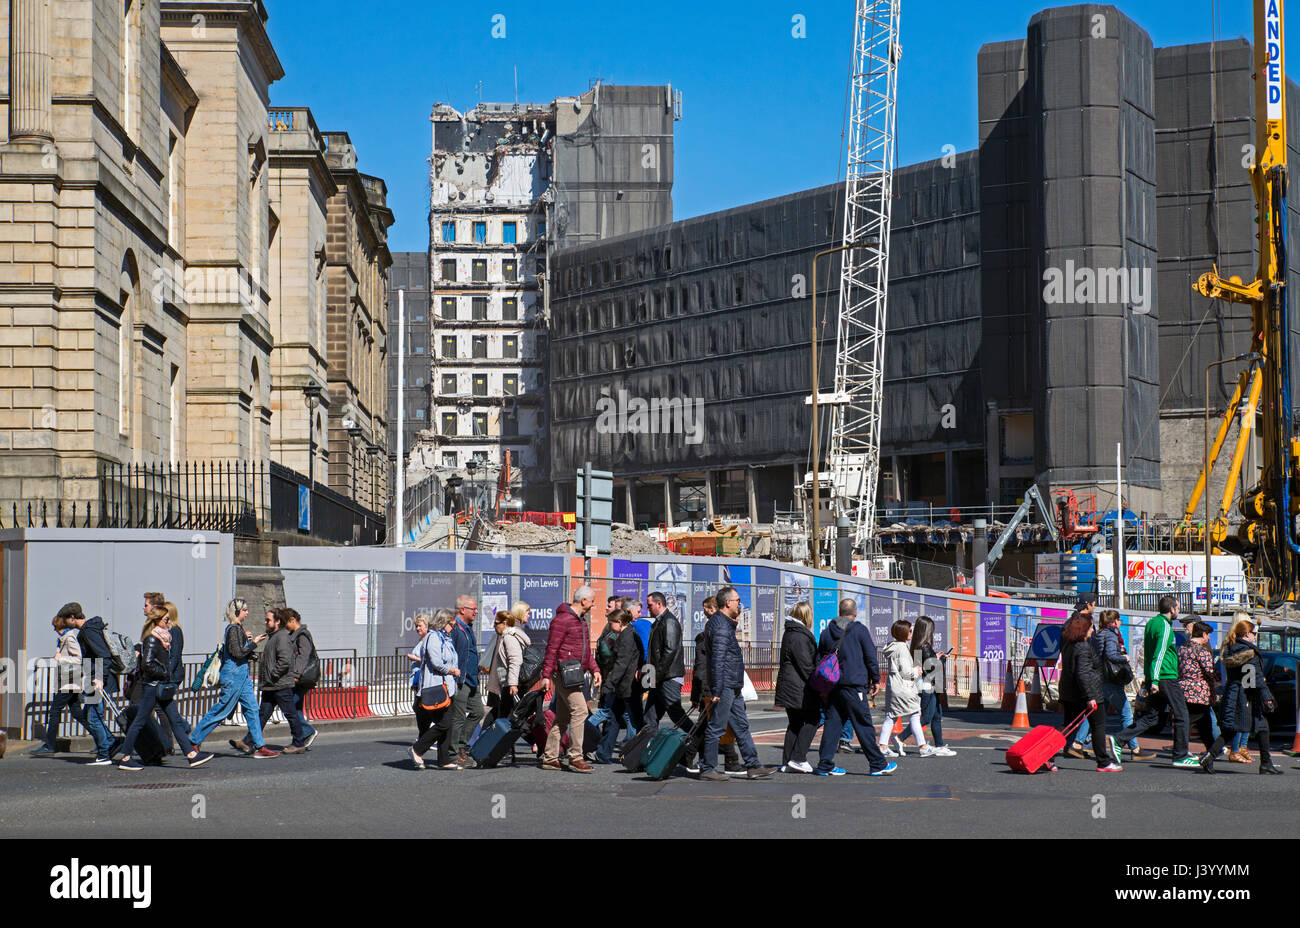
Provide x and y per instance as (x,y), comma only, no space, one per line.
(928,751)
(888,751)
(898,743)
(945,751)
(797,766)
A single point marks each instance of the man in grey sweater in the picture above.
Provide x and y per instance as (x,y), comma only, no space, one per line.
(275,676)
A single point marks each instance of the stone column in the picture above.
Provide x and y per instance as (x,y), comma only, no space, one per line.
(668,501)
(628,499)
(708,495)
(751,496)
(29,55)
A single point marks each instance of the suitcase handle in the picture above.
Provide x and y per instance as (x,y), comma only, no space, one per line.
(1069,729)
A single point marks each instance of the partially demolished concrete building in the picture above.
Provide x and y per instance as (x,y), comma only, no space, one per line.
(507,180)
(1040,301)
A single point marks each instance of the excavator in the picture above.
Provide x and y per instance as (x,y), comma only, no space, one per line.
(1268,537)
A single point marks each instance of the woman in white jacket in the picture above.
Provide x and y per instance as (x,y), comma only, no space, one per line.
(902,698)
(503,668)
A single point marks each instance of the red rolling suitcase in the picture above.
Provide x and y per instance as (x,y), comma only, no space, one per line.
(1038,747)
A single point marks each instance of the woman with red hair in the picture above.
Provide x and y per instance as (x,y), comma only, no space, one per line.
(1081,688)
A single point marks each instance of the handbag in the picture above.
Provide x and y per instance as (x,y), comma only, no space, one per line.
(435,697)
(827,672)
(571,675)
(209,673)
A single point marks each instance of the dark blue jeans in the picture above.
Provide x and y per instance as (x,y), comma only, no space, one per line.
(299,697)
(283,699)
(54,719)
(728,710)
(666,698)
(849,704)
(94,721)
(622,712)
(932,715)
(160,695)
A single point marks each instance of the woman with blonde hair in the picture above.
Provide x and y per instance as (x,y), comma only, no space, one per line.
(157,689)
(505,663)
(520,611)
(237,649)
(1246,698)
(801,702)
(422,715)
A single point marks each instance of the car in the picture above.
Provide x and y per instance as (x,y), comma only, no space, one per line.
(1280,675)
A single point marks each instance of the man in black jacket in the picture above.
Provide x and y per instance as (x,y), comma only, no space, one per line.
(727,677)
(94,648)
(304,649)
(669,660)
(275,678)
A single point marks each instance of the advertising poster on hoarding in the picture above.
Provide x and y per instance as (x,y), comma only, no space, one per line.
(964,626)
(765,603)
(824,604)
(936,607)
(543,594)
(993,632)
(673,581)
(882,616)
(860,594)
(444,561)
(599,584)
(495,595)
(402,595)
(630,579)
(740,576)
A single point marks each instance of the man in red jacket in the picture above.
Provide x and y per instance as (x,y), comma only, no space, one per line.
(569,641)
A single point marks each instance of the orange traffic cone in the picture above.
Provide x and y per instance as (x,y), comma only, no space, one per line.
(1009,690)
(898,726)
(1036,692)
(1295,742)
(1021,718)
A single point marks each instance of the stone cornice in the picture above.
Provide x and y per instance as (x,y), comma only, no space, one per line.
(172,71)
(249,15)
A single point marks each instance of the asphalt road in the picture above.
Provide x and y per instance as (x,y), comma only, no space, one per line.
(361,784)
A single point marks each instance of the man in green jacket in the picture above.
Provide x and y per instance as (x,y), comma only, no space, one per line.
(1160,666)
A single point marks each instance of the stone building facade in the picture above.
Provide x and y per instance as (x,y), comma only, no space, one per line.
(356,335)
(94,352)
(301,186)
(143,192)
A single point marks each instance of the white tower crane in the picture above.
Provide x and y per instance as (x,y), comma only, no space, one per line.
(854,455)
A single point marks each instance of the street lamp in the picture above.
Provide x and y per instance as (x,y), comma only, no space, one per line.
(471,467)
(1250,358)
(816,389)
(311,395)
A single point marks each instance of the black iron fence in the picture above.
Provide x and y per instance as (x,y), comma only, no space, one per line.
(236,497)
(333,517)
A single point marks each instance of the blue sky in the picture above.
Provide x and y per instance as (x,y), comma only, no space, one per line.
(762,111)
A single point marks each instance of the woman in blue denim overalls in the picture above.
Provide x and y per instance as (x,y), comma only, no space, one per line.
(236,685)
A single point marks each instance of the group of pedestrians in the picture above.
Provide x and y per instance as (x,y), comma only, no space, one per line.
(1181,686)
(89,673)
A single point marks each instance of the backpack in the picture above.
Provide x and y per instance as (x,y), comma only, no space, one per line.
(605,651)
(125,657)
(310,675)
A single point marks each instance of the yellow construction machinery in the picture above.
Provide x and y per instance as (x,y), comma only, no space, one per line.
(1262,400)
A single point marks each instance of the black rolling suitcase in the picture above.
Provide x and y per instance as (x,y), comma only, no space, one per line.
(149,748)
(634,748)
